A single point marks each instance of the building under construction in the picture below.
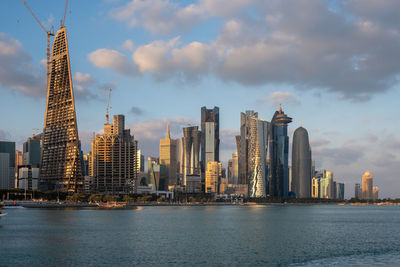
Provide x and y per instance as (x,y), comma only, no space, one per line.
(114,159)
(61,167)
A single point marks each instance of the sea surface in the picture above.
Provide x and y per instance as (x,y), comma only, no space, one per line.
(314,235)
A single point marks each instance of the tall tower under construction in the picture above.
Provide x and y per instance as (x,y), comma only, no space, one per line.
(61,167)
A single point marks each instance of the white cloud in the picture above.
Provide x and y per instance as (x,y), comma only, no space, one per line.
(83,78)
(111,59)
(16,71)
(128,45)
(276,98)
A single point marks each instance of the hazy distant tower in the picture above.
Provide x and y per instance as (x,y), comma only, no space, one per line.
(301,164)
(61,167)
(367,186)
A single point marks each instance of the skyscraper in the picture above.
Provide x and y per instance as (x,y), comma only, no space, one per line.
(367,186)
(191,149)
(7,165)
(301,163)
(279,153)
(168,158)
(242,145)
(257,157)
(357,191)
(235,168)
(213,175)
(114,153)
(209,136)
(61,167)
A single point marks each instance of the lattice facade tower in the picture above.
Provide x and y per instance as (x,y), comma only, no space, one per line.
(61,167)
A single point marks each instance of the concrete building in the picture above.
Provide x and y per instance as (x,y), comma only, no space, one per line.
(301,164)
(279,153)
(114,153)
(19,161)
(213,176)
(193,184)
(340,191)
(235,168)
(7,165)
(367,186)
(60,167)
(209,136)
(28,177)
(168,157)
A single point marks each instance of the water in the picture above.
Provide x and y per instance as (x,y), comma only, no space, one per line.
(230,235)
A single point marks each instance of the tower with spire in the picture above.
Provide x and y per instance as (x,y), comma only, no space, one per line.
(168,157)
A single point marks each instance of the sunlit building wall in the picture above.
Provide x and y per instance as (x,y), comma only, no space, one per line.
(213,175)
(367,186)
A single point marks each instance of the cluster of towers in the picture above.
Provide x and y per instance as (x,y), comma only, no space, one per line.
(367,191)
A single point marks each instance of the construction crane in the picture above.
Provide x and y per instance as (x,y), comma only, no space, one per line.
(108,107)
(49,34)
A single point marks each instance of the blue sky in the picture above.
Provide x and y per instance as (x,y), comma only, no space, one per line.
(334,65)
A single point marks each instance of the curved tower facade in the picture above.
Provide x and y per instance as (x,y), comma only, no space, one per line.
(367,186)
(61,167)
(301,163)
(279,153)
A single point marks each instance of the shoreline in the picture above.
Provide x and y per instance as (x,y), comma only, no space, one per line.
(66,205)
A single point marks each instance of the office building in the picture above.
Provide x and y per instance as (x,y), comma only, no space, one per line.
(257,141)
(340,191)
(19,160)
(367,186)
(191,150)
(213,176)
(114,153)
(158,176)
(301,164)
(140,163)
(168,157)
(357,191)
(279,153)
(7,165)
(28,177)
(60,167)
(209,136)
(375,193)
(242,145)
(316,187)
(235,168)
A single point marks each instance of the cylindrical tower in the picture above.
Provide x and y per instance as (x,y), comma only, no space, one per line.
(301,164)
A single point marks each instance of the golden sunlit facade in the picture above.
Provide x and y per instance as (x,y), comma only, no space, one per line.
(61,167)
(213,173)
(367,186)
(168,157)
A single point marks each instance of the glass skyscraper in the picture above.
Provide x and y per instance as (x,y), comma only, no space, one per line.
(301,164)
(209,136)
(279,153)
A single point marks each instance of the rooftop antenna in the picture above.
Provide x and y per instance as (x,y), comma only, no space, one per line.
(108,107)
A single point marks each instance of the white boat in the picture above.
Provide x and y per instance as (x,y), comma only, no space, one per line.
(3,214)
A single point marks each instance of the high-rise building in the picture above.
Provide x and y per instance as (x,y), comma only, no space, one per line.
(301,163)
(316,187)
(258,138)
(114,153)
(367,186)
(168,158)
(31,150)
(213,176)
(279,153)
(19,160)
(7,165)
(209,136)
(340,191)
(235,168)
(191,149)
(230,171)
(140,161)
(242,145)
(357,191)
(61,167)
(375,193)
(326,185)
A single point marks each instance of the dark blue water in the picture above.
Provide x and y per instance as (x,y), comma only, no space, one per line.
(259,235)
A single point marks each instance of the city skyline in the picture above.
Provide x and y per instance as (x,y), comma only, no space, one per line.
(346,132)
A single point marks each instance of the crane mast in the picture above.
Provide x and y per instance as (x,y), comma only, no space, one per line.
(49,34)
